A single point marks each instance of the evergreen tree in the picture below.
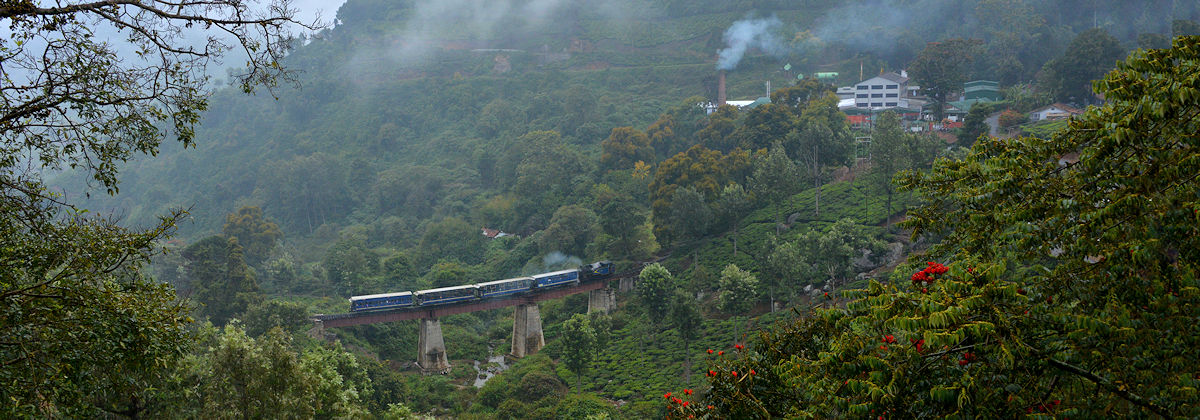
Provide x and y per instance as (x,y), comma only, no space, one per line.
(655,287)
(774,179)
(1091,54)
(257,234)
(733,203)
(887,153)
(822,140)
(579,346)
(687,320)
(975,124)
(941,68)
(224,284)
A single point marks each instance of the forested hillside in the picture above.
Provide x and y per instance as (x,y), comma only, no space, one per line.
(417,130)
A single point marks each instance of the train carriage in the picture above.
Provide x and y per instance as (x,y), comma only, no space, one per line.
(493,289)
(556,278)
(447,295)
(381,301)
(505,287)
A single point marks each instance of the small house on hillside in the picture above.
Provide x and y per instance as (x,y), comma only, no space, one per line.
(1054,112)
(493,233)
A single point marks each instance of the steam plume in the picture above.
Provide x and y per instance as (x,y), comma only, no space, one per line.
(557,259)
(750,33)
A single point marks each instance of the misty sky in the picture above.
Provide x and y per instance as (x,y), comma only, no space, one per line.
(309,8)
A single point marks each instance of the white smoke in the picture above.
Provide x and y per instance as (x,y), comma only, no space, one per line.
(558,260)
(750,33)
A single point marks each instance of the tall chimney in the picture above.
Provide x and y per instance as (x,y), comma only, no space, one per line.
(721,88)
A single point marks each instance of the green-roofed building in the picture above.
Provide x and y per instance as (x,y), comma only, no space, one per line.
(981,89)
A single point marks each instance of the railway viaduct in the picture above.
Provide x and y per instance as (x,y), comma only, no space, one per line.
(527,336)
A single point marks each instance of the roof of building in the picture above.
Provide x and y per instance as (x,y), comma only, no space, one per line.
(891,75)
(981,84)
(762,100)
(966,104)
(1062,106)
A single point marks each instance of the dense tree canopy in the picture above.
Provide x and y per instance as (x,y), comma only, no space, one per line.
(941,68)
(705,171)
(1091,54)
(626,146)
(224,285)
(257,234)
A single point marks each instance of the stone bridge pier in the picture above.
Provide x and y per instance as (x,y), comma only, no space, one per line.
(527,337)
(602,300)
(431,347)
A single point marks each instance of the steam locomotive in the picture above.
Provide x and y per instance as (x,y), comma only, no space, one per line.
(479,291)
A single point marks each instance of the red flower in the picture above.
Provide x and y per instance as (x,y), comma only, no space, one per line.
(687,391)
(711,373)
(752,371)
(924,290)
(709,351)
(734,373)
(667,395)
(710,407)
(721,353)
(685,403)
(963,362)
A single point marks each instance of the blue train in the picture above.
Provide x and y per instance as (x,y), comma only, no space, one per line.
(479,291)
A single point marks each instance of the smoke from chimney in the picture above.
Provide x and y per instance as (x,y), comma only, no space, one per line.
(750,33)
(721,88)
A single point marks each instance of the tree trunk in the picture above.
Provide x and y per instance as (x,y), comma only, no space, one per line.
(817,206)
(735,239)
(777,219)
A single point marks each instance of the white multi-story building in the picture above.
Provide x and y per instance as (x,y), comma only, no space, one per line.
(888,90)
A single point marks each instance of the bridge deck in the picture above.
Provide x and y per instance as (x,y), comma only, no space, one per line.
(373,317)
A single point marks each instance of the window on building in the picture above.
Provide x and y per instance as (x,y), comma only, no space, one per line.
(876,95)
(891,104)
(876,86)
(862,87)
(893,95)
(893,86)
(876,103)
(861,104)
(861,95)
